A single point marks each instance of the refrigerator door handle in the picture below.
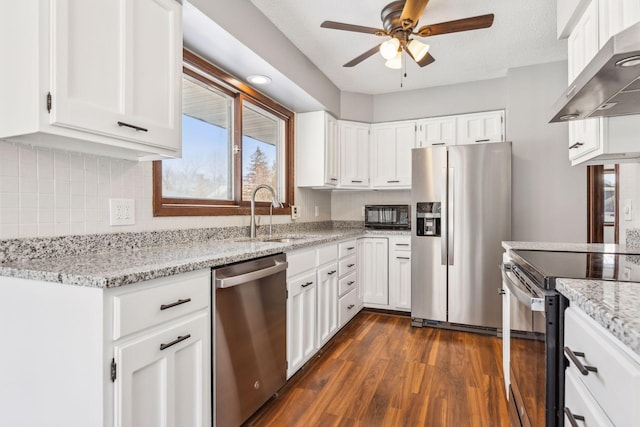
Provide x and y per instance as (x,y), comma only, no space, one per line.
(444,230)
(450,212)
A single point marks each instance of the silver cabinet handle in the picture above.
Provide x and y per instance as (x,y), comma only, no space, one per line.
(307,284)
(444,227)
(450,220)
(173,304)
(350,306)
(576,145)
(573,355)
(134,127)
(174,342)
(573,419)
(524,296)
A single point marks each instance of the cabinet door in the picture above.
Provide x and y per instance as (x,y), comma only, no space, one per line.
(615,16)
(391,154)
(332,151)
(438,131)
(301,320)
(582,44)
(162,377)
(373,270)
(116,69)
(400,280)
(327,303)
(481,127)
(354,154)
(584,137)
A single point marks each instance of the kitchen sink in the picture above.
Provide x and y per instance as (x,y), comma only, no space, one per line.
(282,239)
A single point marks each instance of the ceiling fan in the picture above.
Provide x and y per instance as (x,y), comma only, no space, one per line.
(399,20)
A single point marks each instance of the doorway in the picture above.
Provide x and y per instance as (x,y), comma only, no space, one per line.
(602,204)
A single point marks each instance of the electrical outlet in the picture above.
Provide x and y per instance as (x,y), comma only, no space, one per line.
(122,211)
(295,214)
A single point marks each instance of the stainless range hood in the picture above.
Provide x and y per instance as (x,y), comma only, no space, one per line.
(609,85)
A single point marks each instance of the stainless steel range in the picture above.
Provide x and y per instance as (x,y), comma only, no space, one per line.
(533,328)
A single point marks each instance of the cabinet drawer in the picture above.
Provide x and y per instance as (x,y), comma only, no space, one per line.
(347,265)
(327,253)
(346,248)
(617,381)
(328,272)
(171,298)
(580,403)
(348,307)
(347,283)
(400,244)
(300,261)
(296,284)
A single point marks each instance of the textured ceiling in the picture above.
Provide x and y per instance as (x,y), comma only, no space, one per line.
(523,33)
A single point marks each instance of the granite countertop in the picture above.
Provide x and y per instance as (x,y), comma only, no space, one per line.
(118,267)
(573,247)
(614,305)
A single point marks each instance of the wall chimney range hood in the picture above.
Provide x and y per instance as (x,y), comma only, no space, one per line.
(609,85)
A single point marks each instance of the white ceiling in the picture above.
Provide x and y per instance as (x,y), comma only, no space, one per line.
(523,33)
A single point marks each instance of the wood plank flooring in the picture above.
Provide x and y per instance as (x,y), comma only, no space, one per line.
(379,371)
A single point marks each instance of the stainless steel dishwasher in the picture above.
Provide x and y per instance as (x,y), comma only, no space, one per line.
(249,335)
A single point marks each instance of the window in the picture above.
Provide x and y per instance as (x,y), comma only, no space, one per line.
(610,201)
(233,139)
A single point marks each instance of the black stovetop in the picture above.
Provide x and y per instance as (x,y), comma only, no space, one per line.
(544,267)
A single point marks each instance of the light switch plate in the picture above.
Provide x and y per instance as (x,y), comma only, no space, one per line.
(627,210)
(122,211)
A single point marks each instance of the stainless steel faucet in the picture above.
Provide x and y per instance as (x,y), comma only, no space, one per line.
(274,204)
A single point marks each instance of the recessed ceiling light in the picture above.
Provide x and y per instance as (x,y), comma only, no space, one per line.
(258,79)
(569,117)
(631,61)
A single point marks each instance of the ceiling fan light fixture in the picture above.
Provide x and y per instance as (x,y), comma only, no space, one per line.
(389,49)
(395,63)
(418,49)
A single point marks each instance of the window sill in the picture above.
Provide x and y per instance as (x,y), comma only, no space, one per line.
(201,210)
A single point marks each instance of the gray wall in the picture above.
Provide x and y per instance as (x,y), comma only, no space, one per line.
(461,98)
(549,196)
(356,106)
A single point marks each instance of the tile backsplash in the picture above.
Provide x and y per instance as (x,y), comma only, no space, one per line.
(56,193)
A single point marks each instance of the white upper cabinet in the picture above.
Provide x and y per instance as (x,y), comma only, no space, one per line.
(317,150)
(109,77)
(354,154)
(436,131)
(615,16)
(391,154)
(480,128)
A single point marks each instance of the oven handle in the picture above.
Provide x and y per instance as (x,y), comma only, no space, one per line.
(524,296)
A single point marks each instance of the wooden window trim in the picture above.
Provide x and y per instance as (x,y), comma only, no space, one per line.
(241,92)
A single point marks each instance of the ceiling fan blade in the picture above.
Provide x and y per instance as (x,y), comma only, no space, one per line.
(474,23)
(356,28)
(359,59)
(412,12)
(426,60)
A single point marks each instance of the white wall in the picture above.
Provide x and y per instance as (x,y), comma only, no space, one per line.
(52,193)
(549,196)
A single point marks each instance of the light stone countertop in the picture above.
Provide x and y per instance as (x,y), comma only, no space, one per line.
(118,267)
(614,305)
(611,248)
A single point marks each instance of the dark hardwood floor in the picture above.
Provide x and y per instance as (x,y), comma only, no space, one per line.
(379,371)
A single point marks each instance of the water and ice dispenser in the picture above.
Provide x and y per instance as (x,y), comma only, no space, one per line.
(428,219)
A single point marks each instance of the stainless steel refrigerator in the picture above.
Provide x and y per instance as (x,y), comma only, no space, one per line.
(461,197)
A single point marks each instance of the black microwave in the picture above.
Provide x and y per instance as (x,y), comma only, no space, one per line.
(387,216)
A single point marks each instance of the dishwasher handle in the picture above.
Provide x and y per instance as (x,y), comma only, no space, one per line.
(228,282)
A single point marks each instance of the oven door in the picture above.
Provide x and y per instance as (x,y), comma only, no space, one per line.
(532,353)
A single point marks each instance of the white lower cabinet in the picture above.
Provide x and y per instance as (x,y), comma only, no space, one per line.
(609,374)
(160,376)
(400,273)
(327,303)
(373,271)
(67,369)
(301,321)
(348,307)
